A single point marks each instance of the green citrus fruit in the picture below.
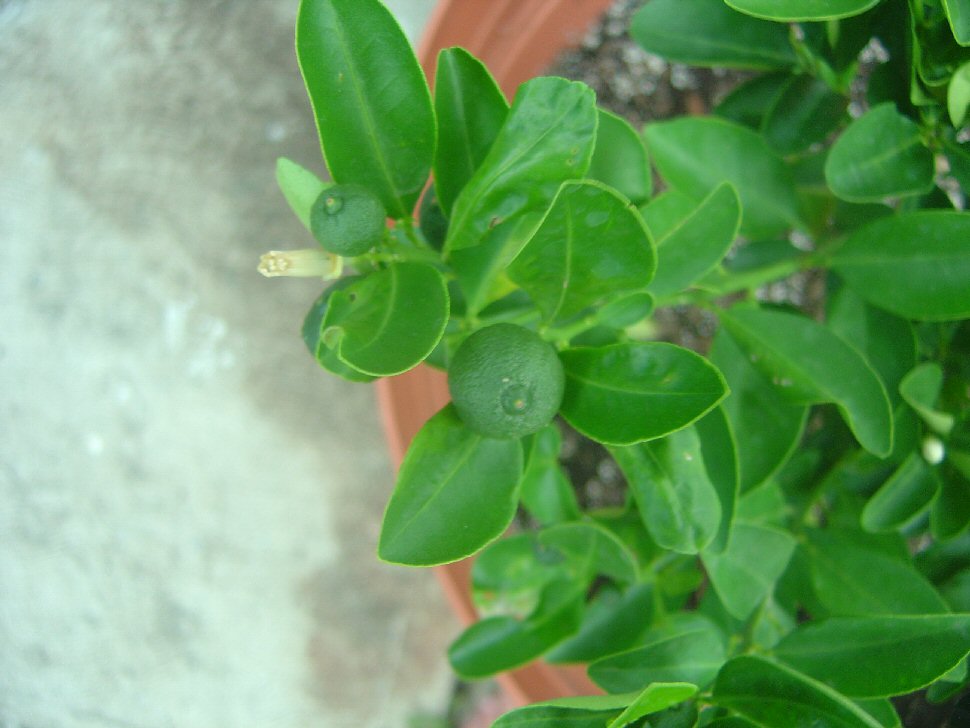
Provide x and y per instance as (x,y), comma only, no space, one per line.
(347,220)
(505,381)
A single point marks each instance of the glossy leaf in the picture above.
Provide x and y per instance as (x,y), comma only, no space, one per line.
(299,186)
(958,13)
(626,310)
(796,10)
(509,574)
(502,643)
(369,96)
(746,572)
(905,495)
(720,452)
(882,710)
(950,512)
(921,389)
(881,154)
(592,711)
(775,696)
(689,650)
(804,113)
(887,342)
(388,321)
(312,323)
(481,270)
(697,242)
(456,491)
(654,698)
(613,622)
(916,265)
(593,547)
(852,580)
(708,33)
(548,137)
(766,426)
(665,212)
(627,393)
(958,93)
(811,364)
(696,154)
(748,103)
(620,159)
(675,496)
(590,245)
(546,491)
(899,654)
(470,110)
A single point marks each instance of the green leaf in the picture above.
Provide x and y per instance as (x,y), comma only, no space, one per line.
(470,110)
(697,242)
(502,643)
(546,491)
(881,154)
(804,113)
(898,654)
(887,342)
(312,323)
(689,650)
(369,97)
(748,103)
(665,212)
(548,137)
(654,698)
(797,10)
(766,426)
(620,159)
(696,154)
(590,245)
(388,321)
(916,265)
(950,512)
(509,574)
(613,622)
(811,364)
(592,711)
(594,547)
(707,33)
(775,696)
(627,393)
(958,13)
(882,710)
(481,270)
(675,496)
(456,491)
(921,389)
(746,572)
(904,496)
(854,580)
(299,186)
(720,452)
(958,94)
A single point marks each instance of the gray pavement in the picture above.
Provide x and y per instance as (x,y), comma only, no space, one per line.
(188,505)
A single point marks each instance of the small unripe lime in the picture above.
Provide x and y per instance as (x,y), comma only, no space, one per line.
(506,382)
(347,220)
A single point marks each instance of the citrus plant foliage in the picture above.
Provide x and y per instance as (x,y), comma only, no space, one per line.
(794,547)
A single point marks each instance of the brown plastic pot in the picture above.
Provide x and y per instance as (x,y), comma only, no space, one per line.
(516,39)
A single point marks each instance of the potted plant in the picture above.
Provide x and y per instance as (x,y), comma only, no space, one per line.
(793,546)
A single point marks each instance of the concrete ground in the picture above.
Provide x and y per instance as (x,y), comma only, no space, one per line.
(189,507)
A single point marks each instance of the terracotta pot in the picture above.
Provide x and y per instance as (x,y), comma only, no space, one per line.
(517,39)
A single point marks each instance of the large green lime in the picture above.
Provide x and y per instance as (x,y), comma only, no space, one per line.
(347,220)
(505,381)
